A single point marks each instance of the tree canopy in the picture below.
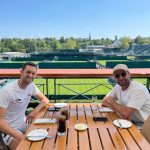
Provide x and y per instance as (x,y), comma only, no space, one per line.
(48,44)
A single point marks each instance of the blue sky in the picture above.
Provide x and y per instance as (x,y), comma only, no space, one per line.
(74,18)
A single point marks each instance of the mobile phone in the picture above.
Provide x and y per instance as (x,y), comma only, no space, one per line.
(53,109)
(100,119)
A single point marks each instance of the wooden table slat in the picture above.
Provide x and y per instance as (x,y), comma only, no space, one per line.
(105,138)
(81,115)
(94,139)
(73,118)
(138,137)
(129,141)
(72,140)
(117,140)
(61,143)
(50,142)
(89,115)
(83,140)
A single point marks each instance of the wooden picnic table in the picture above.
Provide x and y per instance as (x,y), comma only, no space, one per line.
(99,135)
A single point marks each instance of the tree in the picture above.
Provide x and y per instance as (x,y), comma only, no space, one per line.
(138,40)
(108,42)
(62,39)
(6,44)
(55,44)
(29,45)
(70,44)
(124,45)
(125,42)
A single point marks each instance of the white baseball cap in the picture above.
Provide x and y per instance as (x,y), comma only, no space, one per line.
(121,67)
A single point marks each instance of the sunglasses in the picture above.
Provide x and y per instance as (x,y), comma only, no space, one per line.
(123,74)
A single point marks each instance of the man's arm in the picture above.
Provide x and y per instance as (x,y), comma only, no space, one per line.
(6,128)
(105,101)
(124,111)
(43,103)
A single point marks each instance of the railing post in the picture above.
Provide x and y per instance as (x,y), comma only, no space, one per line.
(55,89)
(147,84)
(47,88)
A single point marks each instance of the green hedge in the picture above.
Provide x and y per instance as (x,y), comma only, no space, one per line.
(68,65)
(130,64)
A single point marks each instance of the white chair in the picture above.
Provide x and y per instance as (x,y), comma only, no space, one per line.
(146,129)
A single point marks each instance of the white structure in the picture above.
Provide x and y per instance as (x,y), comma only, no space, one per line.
(93,48)
(15,54)
(117,43)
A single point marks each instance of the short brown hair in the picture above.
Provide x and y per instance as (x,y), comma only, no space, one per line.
(29,64)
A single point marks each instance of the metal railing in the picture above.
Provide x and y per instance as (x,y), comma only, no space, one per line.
(55,75)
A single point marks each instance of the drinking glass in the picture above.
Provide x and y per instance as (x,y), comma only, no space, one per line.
(65,112)
(61,125)
(94,105)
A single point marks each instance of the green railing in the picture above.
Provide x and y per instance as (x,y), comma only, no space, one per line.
(66,89)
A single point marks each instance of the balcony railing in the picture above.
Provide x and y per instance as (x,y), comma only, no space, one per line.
(67,74)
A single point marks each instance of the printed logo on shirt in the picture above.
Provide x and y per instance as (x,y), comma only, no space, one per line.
(29,95)
(18,100)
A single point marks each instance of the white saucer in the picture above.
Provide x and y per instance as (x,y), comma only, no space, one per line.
(37,134)
(122,123)
(60,105)
(80,126)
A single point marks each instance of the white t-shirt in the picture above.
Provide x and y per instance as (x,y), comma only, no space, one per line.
(16,100)
(136,96)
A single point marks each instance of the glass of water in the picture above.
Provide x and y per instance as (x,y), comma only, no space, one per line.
(94,105)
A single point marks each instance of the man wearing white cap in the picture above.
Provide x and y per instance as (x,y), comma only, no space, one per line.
(130,99)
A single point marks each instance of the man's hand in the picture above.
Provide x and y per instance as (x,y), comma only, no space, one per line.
(31,117)
(18,136)
(108,101)
(125,111)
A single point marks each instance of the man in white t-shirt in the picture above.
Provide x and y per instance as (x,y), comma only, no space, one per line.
(14,99)
(130,99)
